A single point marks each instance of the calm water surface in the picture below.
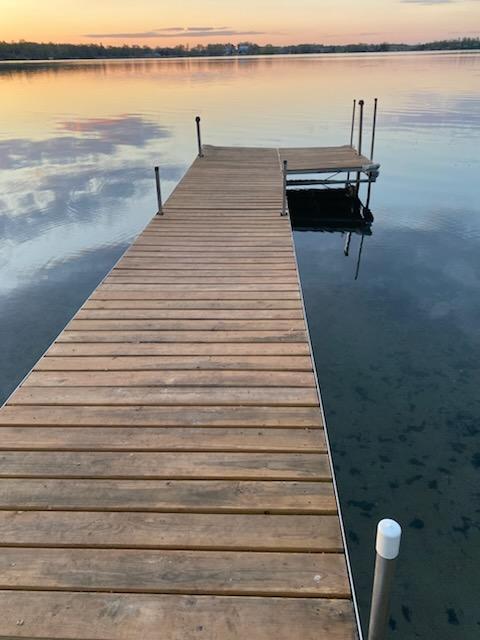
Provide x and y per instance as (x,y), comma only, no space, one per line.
(397,350)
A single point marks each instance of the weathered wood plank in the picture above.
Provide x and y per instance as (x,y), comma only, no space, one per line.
(205,305)
(171,571)
(233,439)
(252,315)
(124,336)
(178,324)
(95,616)
(175,363)
(192,496)
(190,378)
(144,416)
(179,396)
(240,532)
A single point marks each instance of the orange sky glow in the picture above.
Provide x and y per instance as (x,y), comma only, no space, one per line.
(189,22)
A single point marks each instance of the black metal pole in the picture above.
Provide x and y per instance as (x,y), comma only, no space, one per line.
(285,202)
(159,192)
(361,104)
(352,131)
(199,137)
(374,127)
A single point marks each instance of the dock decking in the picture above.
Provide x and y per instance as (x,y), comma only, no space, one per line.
(164,470)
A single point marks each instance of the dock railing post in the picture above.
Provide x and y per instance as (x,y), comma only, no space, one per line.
(199,138)
(372,149)
(387,547)
(361,104)
(285,201)
(159,192)
(352,131)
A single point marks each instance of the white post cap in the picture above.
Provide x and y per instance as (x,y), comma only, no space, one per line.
(389,533)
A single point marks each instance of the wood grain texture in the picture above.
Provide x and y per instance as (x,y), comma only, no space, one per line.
(94,616)
(190,496)
(238,532)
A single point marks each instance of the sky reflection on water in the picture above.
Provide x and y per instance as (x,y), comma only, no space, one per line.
(397,350)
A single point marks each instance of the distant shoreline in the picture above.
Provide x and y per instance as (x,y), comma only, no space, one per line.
(237,57)
(46,52)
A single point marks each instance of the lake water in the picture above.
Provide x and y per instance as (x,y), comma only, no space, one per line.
(397,349)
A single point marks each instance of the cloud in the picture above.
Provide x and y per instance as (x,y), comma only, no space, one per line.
(94,137)
(428,2)
(176,32)
(125,129)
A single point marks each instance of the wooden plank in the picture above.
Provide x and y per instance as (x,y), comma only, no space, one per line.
(239,532)
(162,466)
(167,396)
(88,313)
(143,416)
(172,571)
(233,439)
(179,349)
(194,496)
(229,337)
(200,279)
(179,324)
(95,616)
(170,379)
(205,305)
(138,292)
(173,363)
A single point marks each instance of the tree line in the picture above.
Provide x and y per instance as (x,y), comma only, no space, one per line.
(24,50)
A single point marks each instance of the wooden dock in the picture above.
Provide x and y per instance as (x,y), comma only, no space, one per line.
(164,469)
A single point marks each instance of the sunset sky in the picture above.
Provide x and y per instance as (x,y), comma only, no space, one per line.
(157,22)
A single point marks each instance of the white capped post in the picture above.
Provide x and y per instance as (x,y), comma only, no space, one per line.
(387,546)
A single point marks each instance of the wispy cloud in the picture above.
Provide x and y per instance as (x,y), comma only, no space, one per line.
(429,2)
(177,32)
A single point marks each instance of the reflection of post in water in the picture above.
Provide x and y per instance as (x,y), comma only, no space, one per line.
(357,270)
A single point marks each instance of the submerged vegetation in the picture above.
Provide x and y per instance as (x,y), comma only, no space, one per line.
(23,50)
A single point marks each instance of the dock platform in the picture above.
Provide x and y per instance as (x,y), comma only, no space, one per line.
(164,470)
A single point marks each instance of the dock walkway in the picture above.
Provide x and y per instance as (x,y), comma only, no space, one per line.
(164,472)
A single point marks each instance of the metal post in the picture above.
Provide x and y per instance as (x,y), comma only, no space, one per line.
(387,547)
(285,202)
(372,149)
(361,104)
(159,192)
(352,131)
(199,137)
(374,127)
(360,139)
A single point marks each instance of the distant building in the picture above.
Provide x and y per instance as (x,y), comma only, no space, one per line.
(243,49)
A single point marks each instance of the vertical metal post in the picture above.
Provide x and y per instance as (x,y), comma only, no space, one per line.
(360,139)
(199,137)
(372,149)
(387,547)
(159,192)
(352,131)
(285,202)
(374,127)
